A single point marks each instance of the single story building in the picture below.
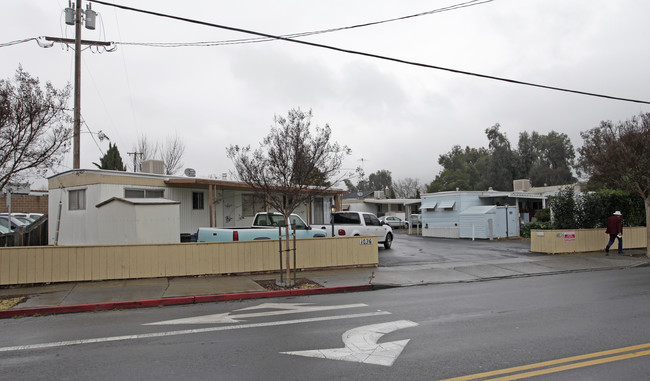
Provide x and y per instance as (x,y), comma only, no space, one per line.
(376,203)
(93,206)
(479,214)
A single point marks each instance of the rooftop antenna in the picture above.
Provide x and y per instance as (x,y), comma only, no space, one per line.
(362,160)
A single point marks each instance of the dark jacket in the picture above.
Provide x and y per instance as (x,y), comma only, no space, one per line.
(614,225)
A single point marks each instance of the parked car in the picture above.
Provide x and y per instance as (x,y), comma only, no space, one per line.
(349,224)
(33,216)
(27,218)
(394,222)
(416,220)
(4,229)
(265,226)
(15,222)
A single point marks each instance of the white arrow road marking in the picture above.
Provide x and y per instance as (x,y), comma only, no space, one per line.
(184,332)
(287,308)
(361,345)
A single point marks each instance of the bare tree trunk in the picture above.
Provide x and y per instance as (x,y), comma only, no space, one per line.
(288,278)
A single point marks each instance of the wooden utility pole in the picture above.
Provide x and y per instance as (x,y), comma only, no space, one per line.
(77,90)
(135,159)
(76,141)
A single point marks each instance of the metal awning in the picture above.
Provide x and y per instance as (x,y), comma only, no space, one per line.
(428,206)
(446,204)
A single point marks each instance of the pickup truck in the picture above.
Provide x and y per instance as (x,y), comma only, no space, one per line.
(359,223)
(265,226)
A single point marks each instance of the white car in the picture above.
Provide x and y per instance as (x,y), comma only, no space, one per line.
(394,222)
(29,216)
(15,222)
(359,223)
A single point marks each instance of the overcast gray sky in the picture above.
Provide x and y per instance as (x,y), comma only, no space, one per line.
(393,116)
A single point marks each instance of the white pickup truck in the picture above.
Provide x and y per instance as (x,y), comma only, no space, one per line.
(265,226)
(359,223)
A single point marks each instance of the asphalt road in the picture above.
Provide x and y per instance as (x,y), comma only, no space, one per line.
(411,250)
(446,331)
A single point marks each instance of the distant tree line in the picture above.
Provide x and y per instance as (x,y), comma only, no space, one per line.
(377,181)
(544,159)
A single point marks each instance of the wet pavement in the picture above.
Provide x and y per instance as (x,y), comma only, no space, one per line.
(426,263)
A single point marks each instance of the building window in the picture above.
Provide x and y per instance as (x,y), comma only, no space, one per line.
(197,200)
(144,193)
(251,204)
(77,199)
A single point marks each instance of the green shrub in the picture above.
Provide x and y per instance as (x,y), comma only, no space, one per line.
(590,210)
(544,215)
(525,230)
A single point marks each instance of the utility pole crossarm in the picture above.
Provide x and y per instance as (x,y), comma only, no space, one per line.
(83,42)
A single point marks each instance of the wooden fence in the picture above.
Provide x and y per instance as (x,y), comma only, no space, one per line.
(583,240)
(49,264)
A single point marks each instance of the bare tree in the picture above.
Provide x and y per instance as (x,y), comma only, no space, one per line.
(291,165)
(172,154)
(33,127)
(617,155)
(407,188)
(147,148)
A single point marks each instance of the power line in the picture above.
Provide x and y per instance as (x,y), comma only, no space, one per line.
(466,4)
(10,43)
(371,55)
(470,3)
(92,136)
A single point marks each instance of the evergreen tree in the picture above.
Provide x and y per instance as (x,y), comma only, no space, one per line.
(112,159)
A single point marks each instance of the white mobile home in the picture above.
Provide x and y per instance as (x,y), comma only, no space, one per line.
(155,208)
(476,214)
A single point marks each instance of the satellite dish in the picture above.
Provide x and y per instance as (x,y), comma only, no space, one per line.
(190,172)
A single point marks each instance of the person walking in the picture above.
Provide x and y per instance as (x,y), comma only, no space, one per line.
(615,231)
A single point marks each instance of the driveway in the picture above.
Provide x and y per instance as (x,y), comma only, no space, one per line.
(411,250)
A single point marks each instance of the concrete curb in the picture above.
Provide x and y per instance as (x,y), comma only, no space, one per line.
(93,307)
(381,286)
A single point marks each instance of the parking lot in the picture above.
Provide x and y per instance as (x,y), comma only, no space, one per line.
(411,250)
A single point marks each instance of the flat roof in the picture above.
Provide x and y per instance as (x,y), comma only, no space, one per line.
(153,179)
(385,201)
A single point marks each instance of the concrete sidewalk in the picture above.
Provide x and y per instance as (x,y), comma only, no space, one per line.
(104,295)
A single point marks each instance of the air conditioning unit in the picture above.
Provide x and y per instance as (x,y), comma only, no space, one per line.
(522,185)
(152,166)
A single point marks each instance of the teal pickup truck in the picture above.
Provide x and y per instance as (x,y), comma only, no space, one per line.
(265,226)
